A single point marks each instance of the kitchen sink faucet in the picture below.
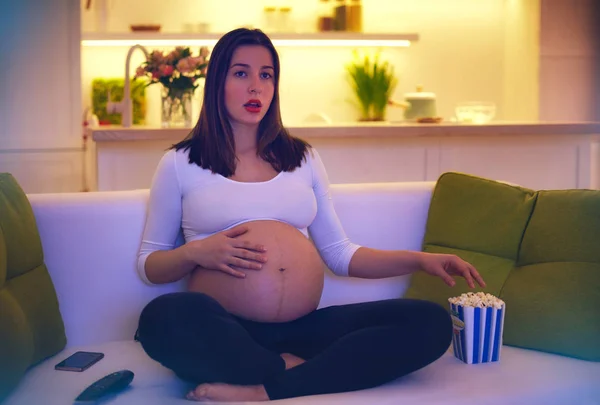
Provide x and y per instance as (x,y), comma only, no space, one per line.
(125,106)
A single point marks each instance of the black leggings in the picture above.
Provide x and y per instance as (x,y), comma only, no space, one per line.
(347,347)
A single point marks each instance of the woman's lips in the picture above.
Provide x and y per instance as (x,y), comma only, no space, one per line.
(253,106)
(252,109)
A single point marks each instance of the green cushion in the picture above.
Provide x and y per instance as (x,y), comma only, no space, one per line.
(568,222)
(479,215)
(480,220)
(554,307)
(556,286)
(537,250)
(31,326)
(494,269)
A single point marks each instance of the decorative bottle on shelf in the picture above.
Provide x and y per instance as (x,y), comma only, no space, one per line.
(270,14)
(354,18)
(325,19)
(340,15)
(285,19)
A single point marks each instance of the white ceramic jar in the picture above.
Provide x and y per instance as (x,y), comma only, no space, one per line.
(418,104)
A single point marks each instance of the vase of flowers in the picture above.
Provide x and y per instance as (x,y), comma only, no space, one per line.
(373,82)
(179,73)
(176,108)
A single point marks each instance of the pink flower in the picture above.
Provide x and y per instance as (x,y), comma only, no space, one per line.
(178,64)
(165,70)
(198,60)
(187,65)
(140,72)
(175,54)
(156,58)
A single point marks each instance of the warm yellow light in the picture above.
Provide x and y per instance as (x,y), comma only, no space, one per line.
(147,42)
(299,40)
(343,42)
(276,42)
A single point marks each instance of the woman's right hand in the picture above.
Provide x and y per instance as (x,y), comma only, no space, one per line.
(223,252)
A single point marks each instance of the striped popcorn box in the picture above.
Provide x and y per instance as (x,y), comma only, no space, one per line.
(478,322)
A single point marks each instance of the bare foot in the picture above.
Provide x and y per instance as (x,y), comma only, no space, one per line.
(225,392)
(291,360)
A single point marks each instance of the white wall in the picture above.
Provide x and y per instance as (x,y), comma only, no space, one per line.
(569,66)
(466,51)
(40,99)
(521,61)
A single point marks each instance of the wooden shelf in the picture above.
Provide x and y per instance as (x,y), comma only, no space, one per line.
(331,39)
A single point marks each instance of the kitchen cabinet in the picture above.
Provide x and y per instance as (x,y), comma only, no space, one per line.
(535,155)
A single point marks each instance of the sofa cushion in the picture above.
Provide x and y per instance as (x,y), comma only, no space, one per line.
(555,289)
(536,250)
(31,326)
(480,220)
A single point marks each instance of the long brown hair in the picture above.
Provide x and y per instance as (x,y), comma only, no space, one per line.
(211,144)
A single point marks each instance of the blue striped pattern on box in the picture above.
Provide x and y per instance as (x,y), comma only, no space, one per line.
(477,336)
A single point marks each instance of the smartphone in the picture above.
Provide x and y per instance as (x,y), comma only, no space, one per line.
(79,361)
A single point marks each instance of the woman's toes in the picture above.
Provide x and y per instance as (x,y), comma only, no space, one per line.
(197,394)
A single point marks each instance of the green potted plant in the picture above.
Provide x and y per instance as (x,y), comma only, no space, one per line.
(373,82)
(100,89)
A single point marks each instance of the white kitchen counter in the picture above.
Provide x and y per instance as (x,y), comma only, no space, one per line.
(536,155)
(383,129)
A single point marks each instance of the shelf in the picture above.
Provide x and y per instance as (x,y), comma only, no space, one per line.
(325,39)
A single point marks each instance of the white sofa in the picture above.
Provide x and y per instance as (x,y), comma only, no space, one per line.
(90,242)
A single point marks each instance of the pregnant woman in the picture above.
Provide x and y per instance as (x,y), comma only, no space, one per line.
(247,195)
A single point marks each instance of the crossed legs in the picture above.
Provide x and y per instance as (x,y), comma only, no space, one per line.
(346,348)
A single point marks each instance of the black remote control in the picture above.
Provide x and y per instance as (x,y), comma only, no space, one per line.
(106,385)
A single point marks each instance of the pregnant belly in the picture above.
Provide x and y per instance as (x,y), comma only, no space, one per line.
(288,286)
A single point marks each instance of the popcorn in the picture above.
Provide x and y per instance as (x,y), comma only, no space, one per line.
(478,321)
(478,300)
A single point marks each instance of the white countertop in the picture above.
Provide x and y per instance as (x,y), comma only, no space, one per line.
(380,129)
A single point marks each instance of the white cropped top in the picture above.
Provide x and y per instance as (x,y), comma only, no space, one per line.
(185,197)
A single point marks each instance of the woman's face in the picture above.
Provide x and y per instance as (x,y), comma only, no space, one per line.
(250,85)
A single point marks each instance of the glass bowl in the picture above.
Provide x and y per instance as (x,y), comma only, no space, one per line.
(475,112)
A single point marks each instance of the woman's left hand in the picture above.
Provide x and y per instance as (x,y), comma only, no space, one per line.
(445,266)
